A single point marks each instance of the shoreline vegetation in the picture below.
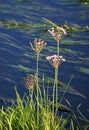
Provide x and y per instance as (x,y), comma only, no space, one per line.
(12,23)
(36,111)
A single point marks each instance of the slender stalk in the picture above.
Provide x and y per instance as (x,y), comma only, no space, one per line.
(37,89)
(55,87)
(56,77)
(53,96)
(37,60)
(66,88)
(47,98)
(56,84)
(31,95)
(57,48)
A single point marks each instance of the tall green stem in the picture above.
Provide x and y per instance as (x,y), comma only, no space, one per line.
(56,77)
(37,84)
(37,89)
(56,84)
(57,48)
(31,95)
(53,96)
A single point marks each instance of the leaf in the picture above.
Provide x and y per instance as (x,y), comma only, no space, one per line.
(63,86)
(83,70)
(49,21)
(21,68)
(64,108)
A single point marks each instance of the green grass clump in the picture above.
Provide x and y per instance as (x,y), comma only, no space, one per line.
(22,115)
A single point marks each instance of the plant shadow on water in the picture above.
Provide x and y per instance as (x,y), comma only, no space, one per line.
(20,22)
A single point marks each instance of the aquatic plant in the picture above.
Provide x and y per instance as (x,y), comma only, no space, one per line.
(85,2)
(57,34)
(39,44)
(41,28)
(55,60)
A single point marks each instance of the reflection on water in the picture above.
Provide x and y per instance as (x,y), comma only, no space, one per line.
(21,21)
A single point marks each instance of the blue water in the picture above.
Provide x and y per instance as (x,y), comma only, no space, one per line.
(16,53)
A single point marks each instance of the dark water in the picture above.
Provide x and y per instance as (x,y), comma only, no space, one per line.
(20,22)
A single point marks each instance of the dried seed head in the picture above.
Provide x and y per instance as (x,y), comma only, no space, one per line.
(29,82)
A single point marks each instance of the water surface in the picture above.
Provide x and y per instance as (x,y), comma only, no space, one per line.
(21,22)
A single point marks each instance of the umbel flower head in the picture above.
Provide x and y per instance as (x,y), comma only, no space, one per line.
(29,81)
(55,60)
(39,44)
(57,33)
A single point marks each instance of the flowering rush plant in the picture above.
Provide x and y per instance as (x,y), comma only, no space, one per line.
(55,60)
(57,33)
(39,44)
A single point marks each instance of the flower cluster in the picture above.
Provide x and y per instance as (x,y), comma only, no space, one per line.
(55,60)
(29,81)
(39,44)
(57,33)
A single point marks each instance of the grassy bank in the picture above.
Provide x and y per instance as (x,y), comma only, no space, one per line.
(22,115)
